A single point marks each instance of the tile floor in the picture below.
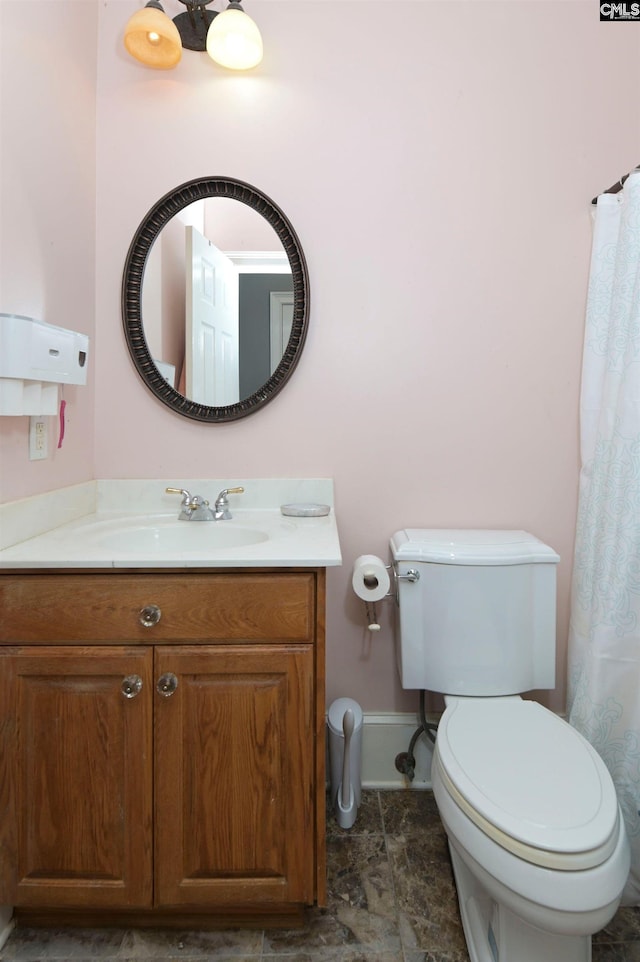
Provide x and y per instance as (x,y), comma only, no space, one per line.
(391,899)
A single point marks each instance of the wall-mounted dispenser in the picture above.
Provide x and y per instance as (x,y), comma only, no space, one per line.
(34,359)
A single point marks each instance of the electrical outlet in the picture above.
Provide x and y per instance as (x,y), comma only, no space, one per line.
(38,438)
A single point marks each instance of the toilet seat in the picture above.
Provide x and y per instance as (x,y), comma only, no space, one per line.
(529,780)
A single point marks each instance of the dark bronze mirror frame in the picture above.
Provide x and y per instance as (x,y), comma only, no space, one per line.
(146,234)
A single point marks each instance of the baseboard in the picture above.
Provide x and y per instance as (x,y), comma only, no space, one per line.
(385,735)
(6,923)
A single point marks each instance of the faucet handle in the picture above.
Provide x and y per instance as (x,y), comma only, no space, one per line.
(222,503)
(222,497)
(185,504)
(227,491)
(186,497)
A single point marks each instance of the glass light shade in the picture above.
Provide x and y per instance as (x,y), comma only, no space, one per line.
(234,40)
(152,38)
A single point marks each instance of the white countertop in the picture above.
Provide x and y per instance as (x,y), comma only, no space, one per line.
(133,538)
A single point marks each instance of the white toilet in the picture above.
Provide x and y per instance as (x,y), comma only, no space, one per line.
(537,841)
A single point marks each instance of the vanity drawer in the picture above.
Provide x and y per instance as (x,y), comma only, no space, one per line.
(269,607)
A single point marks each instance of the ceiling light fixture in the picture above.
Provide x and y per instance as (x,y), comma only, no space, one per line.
(231,38)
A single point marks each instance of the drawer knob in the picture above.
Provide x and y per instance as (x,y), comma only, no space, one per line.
(167,684)
(131,686)
(150,615)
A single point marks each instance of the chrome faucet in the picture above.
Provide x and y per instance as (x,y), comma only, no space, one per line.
(193,507)
(222,512)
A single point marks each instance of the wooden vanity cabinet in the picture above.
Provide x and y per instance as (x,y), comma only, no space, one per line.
(162,744)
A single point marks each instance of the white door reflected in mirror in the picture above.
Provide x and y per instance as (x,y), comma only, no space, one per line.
(211,357)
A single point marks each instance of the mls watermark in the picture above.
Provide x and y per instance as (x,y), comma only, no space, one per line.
(629,11)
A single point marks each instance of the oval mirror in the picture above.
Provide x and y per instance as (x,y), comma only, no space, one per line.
(215,299)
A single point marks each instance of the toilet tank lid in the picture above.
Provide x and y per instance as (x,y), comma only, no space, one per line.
(470,546)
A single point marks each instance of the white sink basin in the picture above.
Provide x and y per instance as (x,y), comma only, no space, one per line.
(180,536)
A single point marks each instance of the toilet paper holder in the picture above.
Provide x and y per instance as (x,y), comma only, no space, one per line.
(411,574)
(374,581)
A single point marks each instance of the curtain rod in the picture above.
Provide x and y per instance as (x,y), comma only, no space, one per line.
(617,187)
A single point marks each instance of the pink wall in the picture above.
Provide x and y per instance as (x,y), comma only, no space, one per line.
(47,212)
(439,177)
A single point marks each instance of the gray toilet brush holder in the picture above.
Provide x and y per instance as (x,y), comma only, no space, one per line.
(345,756)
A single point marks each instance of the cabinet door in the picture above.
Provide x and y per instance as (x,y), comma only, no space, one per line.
(76,777)
(233,776)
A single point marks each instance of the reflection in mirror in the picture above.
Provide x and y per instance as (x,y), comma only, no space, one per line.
(215,299)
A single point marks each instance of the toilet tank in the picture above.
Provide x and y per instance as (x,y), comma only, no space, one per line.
(480,618)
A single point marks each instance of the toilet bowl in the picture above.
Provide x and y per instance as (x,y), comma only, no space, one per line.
(536,837)
(537,841)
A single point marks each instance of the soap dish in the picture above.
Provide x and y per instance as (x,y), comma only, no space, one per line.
(305,510)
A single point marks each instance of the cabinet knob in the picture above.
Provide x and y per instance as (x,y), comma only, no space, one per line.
(149,616)
(167,684)
(131,686)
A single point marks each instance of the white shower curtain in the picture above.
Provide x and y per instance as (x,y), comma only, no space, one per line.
(604,638)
